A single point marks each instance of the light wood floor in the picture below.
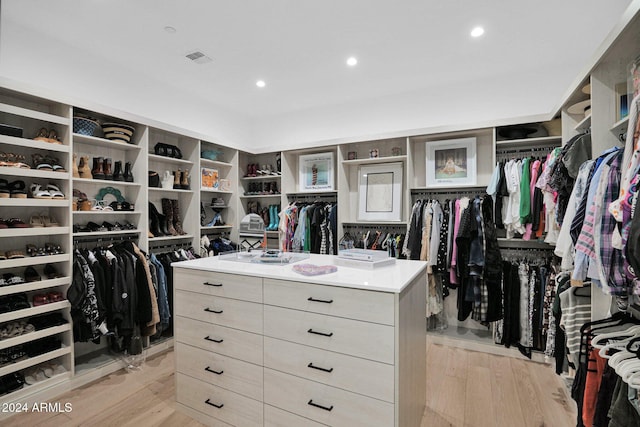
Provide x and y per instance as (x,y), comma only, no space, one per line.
(464,388)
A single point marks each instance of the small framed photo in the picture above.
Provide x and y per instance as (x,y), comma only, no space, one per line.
(316,172)
(209,178)
(380,192)
(451,163)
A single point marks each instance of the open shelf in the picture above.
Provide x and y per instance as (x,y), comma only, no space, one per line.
(31,361)
(33,231)
(42,203)
(34,286)
(620,126)
(102,142)
(217,227)
(261,177)
(169,190)
(30,143)
(32,173)
(105,233)
(165,159)
(34,260)
(214,163)
(260,196)
(584,124)
(386,159)
(529,142)
(213,190)
(32,336)
(107,212)
(163,238)
(108,182)
(28,312)
(32,114)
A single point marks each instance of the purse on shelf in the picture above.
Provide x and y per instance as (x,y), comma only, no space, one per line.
(154,179)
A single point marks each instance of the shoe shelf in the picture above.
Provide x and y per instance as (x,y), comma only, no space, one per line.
(42,203)
(33,231)
(261,196)
(216,227)
(385,159)
(32,173)
(31,361)
(261,177)
(30,143)
(33,311)
(105,233)
(213,190)
(34,260)
(32,336)
(165,159)
(33,114)
(169,190)
(102,142)
(106,212)
(109,182)
(27,390)
(214,163)
(34,286)
(620,126)
(163,238)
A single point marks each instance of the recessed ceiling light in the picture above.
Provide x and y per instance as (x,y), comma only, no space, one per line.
(261,83)
(352,61)
(169,29)
(477,32)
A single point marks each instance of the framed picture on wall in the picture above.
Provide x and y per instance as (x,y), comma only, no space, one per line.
(451,163)
(315,172)
(380,192)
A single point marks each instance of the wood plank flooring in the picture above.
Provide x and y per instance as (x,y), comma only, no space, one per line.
(464,389)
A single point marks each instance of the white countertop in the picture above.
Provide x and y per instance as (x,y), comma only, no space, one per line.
(391,278)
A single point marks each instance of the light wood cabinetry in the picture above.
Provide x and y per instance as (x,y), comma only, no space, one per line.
(328,354)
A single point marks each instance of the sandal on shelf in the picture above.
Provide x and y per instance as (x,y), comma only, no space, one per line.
(55,296)
(5,193)
(40,162)
(32,250)
(36,221)
(17,161)
(92,226)
(3,224)
(55,192)
(49,221)
(18,190)
(43,135)
(52,137)
(38,192)
(55,164)
(111,227)
(13,279)
(14,255)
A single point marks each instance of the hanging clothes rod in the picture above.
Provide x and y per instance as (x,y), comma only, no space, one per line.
(306,197)
(373,226)
(170,246)
(100,239)
(430,193)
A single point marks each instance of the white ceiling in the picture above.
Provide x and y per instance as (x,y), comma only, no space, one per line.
(300,47)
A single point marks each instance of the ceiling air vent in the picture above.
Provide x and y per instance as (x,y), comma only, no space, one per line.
(198,57)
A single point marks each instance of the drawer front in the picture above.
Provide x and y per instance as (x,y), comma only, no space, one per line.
(357,304)
(373,379)
(324,404)
(247,288)
(367,340)
(217,402)
(219,339)
(275,417)
(243,315)
(226,372)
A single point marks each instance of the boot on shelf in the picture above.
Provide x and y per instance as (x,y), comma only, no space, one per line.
(266,216)
(117,171)
(128,176)
(273,225)
(108,174)
(83,168)
(76,174)
(167,210)
(154,221)
(177,223)
(98,168)
(184,180)
(176,179)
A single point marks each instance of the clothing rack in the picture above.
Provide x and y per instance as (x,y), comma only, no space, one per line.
(102,239)
(510,153)
(450,193)
(354,226)
(166,247)
(302,197)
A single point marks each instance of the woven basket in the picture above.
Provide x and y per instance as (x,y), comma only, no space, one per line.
(84,126)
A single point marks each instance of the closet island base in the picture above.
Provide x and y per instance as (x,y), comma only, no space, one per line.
(263,345)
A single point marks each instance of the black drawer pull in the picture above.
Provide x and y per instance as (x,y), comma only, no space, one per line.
(310,402)
(212,340)
(208,402)
(310,365)
(211,370)
(217,285)
(311,331)
(213,311)
(320,300)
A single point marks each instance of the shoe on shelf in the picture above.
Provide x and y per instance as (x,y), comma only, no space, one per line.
(83,168)
(40,163)
(54,191)
(39,192)
(31,275)
(36,221)
(98,165)
(5,192)
(51,272)
(17,223)
(18,190)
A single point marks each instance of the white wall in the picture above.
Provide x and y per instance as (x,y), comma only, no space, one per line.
(37,61)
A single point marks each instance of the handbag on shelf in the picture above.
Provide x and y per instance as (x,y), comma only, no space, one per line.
(154,179)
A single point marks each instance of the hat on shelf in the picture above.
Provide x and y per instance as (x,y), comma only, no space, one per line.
(586,89)
(580,108)
(532,130)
